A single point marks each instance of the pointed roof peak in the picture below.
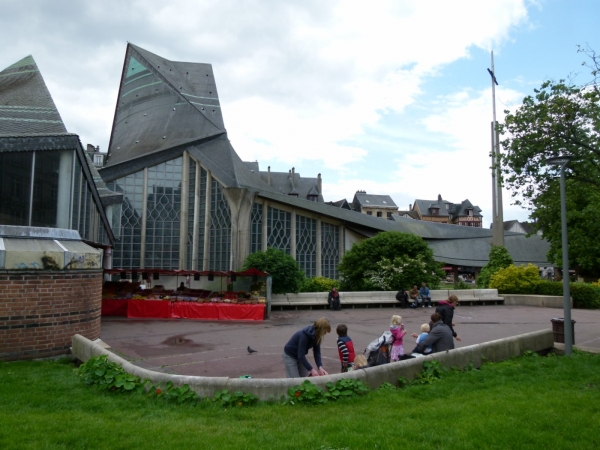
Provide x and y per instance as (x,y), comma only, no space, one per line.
(26,106)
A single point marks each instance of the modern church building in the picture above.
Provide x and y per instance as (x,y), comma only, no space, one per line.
(179,197)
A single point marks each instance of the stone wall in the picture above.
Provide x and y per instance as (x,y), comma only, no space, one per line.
(41,311)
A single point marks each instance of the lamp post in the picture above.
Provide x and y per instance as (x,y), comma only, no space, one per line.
(563,161)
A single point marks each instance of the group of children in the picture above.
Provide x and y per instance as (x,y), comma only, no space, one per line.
(350,361)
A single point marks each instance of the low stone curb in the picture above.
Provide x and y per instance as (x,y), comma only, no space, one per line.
(275,388)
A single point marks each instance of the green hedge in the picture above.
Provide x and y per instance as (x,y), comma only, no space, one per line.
(523,280)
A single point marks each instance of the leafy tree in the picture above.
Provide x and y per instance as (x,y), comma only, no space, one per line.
(499,259)
(388,261)
(561,118)
(287,275)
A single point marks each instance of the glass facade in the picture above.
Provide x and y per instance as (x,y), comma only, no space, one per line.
(279,229)
(15,187)
(220,229)
(48,189)
(127,251)
(330,250)
(163,220)
(256,220)
(306,245)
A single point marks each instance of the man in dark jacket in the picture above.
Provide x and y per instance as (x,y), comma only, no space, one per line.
(440,336)
(445,309)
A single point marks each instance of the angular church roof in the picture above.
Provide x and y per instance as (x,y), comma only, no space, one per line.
(161,105)
(26,107)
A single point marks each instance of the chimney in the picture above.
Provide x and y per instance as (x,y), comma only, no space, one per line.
(319,184)
(410,206)
(293,177)
(269,175)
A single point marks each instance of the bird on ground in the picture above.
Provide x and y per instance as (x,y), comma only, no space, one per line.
(251,350)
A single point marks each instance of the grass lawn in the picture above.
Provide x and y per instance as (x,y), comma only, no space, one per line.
(527,402)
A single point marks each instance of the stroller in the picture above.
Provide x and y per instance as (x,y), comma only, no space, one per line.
(378,352)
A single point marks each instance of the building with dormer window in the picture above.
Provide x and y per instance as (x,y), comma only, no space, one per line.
(443,211)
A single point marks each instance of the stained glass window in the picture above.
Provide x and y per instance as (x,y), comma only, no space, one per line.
(279,229)
(220,230)
(330,250)
(256,219)
(306,245)
(163,219)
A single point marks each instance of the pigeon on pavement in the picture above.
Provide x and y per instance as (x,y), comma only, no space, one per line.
(251,350)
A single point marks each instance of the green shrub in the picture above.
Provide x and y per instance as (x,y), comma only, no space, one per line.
(516,279)
(524,280)
(499,259)
(586,296)
(285,271)
(319,284)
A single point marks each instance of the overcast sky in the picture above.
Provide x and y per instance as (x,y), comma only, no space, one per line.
(391,97)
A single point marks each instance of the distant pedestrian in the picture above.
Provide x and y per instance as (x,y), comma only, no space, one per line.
(345,348)
(398,332)
(425,294)
(414,296)
(445,309)
(439,338)
(333,298)
(402,297)
(421,337)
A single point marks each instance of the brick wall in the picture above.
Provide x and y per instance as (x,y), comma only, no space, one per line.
(41,310)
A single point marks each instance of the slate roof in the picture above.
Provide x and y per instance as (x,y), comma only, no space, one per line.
(362,199)
(343,203)
(292,183)
(162,104)
(445,207)
(26,107)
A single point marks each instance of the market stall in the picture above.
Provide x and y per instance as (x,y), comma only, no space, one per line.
(179,294)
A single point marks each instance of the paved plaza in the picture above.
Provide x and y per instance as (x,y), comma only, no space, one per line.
(219,348)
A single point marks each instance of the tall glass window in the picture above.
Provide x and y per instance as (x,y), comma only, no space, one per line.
(163,218)
(220,230)
(306,245)
(256,228)
(15,185)
(279,229)
(127,251)
(330,250)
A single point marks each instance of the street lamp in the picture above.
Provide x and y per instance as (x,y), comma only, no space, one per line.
(563,161)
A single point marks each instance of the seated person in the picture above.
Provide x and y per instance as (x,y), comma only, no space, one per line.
(414,296)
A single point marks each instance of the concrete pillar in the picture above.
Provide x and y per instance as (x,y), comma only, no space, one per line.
(183,224)
(319,249)
(206,259)
(265,226)
(342,248)
(63,201)
(144,221)
(293,233)
(240,202)
(195,242)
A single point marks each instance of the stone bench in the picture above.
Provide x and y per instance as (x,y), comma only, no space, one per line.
(379,299)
